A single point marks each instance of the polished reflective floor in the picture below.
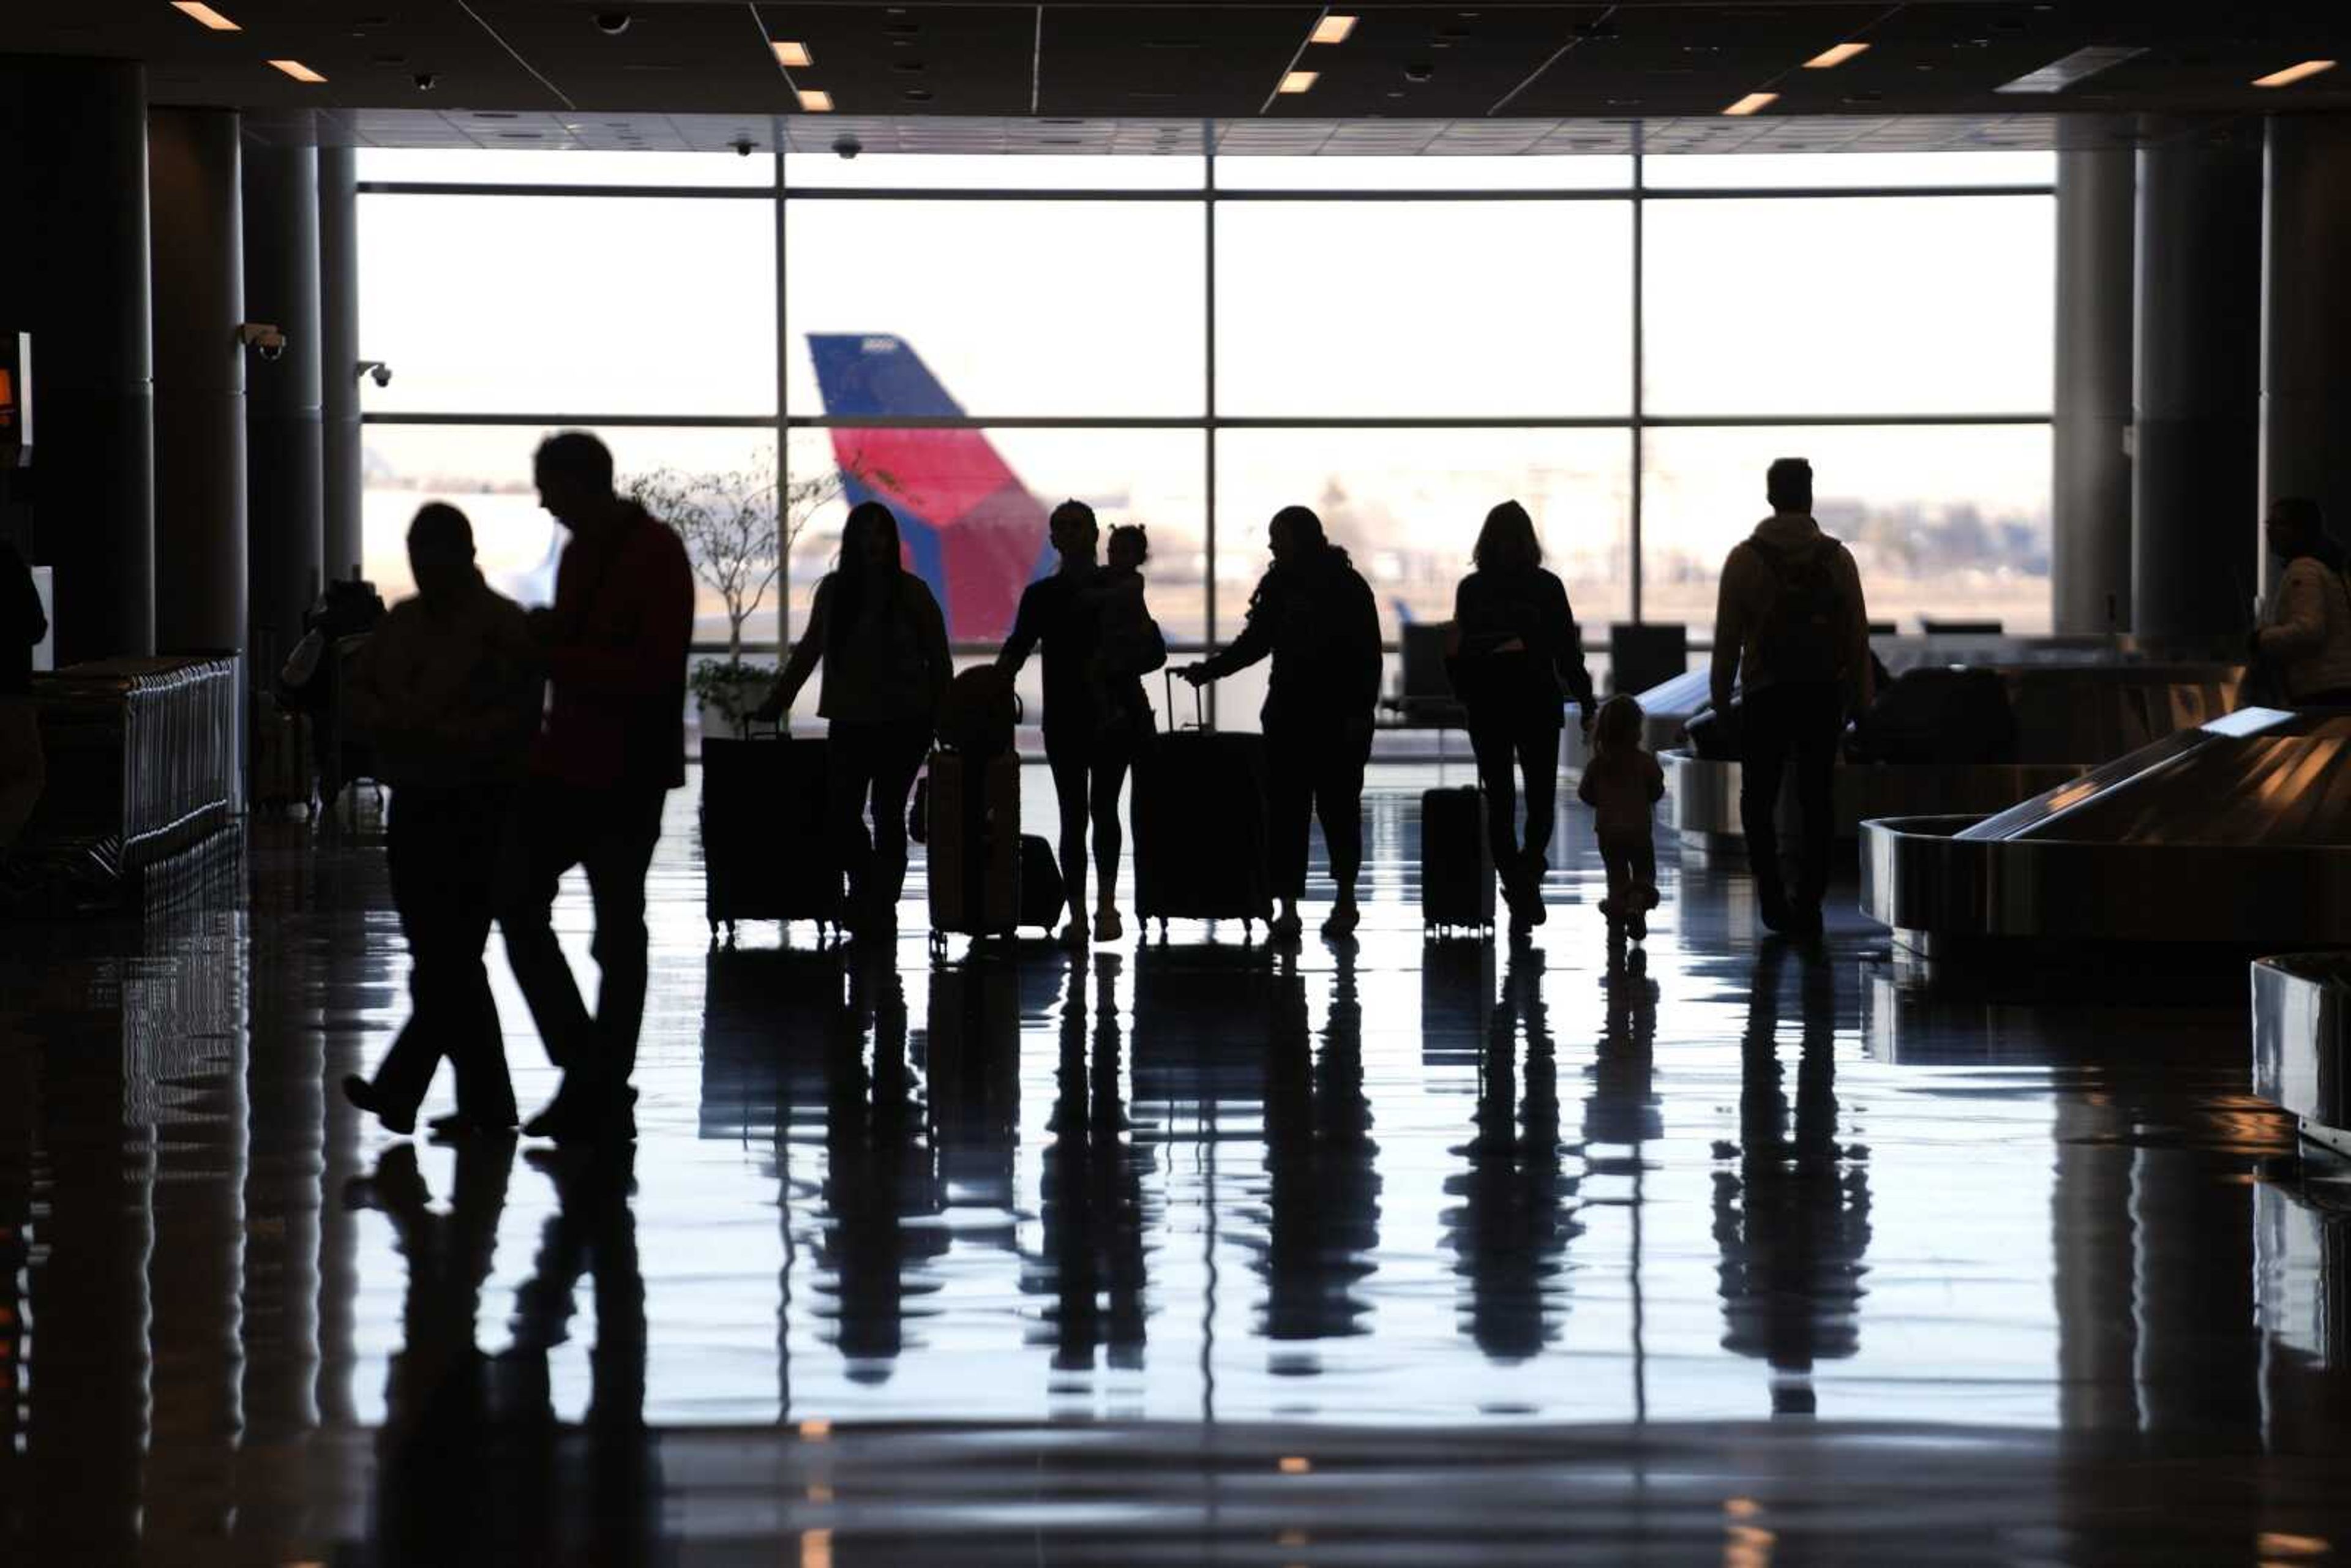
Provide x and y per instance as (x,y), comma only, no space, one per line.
(1718,1250)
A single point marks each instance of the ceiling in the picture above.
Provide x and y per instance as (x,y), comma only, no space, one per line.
(1489,75)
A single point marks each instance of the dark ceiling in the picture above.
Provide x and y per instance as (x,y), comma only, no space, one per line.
(1649,60)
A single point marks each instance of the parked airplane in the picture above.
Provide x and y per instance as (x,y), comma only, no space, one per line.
(970,528)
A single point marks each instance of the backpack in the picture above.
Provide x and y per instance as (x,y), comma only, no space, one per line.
(1800,636)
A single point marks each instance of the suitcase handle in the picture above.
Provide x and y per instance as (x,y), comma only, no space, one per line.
(1199,705)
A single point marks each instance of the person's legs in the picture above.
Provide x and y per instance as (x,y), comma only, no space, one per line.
(23,767)
(1538,752)
(616,862)
(1762,762)
(903,748)
(477,1046)
(417,854)
(1288,811)
(1617,863)
(1492,745)
(1339,804)
(1071,767)
(851,755)
(541,843)
(1109,777)
(1818,722)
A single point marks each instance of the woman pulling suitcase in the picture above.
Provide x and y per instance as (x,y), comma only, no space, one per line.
(1520,654)
(884,647)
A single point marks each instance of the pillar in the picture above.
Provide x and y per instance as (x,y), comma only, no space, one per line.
(2194,485)
(339,348)
(73,272)
(2090,480)
(285,487)
(2306,409)
(198,279)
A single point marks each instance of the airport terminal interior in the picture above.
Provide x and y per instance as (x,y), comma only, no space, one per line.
(1487,1206)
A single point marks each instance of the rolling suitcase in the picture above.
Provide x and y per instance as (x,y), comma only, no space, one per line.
(1939,715)
(765,853)
(1457,860)
(1042,892)
(1199,825)
(974,845)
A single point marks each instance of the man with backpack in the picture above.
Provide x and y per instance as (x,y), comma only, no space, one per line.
(1791,629)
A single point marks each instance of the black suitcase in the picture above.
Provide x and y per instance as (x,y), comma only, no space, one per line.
(1938,714)
(974,845)
(765,851)
(1199,825)
(1042,892)
(1457,863)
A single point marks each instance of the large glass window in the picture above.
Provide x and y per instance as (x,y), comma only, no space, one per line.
(1488,309)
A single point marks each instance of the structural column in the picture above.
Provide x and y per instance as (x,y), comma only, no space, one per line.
(2090,482)
(2306,408)
(286,487)
(199,297)
(73,272)
(2194,485)
(338,338)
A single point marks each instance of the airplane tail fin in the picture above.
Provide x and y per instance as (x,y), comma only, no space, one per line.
(970,528)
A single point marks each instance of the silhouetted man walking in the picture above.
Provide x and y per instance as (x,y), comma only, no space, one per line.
(1791,627)
(448,690)
(613,748)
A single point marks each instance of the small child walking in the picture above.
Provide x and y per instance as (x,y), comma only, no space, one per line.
(1623,784)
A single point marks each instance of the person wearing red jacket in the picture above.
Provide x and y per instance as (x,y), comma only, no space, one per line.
(612,748)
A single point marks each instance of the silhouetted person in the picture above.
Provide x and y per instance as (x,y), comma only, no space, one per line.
(887,669)
(1089,759)
(1519,655)
(2306,627)
(450,688)
(1623,785)
(1127,642)
(1791,629)
(1314,616)
(21,625)
(613,748)
(1792,1219)
(435,1493)
(1092,1188)
(1511,1232)
(1322,1185)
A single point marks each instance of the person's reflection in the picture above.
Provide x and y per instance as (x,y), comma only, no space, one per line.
(1515,1218)
(434,1493)
(1622,1106)
(1322,1187)
(1793,1218)
(609,1511)
(877,1172)
(1092,1188)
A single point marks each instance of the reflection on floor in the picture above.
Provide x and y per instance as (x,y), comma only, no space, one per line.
(1719,1250)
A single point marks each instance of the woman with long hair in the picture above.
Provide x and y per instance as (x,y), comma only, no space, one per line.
(1520,654)
(886,668)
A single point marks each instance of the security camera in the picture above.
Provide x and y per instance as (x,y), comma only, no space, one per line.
(848,146)
(427,81)
(613,23)
(378,371)
(262,338)
(744,147)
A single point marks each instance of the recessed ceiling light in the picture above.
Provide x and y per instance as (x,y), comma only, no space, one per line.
(1829,59)
(792,54)
(1332,30)
(297,70)
(2080,66)
(1753,102)
(197,10)
(2293,74)
(1298,81)
(816,100)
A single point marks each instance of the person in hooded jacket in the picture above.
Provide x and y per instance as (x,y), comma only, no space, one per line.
(1314,614)
(2305,629)
(1791,632)
(1518,657)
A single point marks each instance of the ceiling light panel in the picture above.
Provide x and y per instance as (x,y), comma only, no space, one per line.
(793,56)
(1298,81)
(2293,74)
(1753,103)
(1829,58)
(297,70)
(196,10)
(2078,67)
(1332,30)
(816,100)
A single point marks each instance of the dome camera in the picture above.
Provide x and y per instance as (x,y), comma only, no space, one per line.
(745,147)
(263,338)
(377,371)
(613,23)
(427,81)
(848,146)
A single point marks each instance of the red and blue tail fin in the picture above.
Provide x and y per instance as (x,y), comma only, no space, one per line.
(968,525)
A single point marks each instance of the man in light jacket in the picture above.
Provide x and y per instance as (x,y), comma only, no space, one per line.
(1791,630)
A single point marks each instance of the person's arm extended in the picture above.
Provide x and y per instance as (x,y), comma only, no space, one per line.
(1255,643)
(2299,626)
(1657,777)
(1862,684)
(1573,671)
(657,631)
(1023,639)
(1730,633)
(805,654)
